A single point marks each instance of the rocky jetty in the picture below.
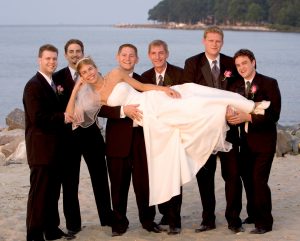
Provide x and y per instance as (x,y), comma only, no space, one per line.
(13,150)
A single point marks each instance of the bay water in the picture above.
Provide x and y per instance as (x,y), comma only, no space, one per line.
(277,55)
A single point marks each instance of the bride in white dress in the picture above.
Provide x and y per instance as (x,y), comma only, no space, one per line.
(183,125)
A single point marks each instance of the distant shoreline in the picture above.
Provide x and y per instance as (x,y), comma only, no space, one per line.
(182,26)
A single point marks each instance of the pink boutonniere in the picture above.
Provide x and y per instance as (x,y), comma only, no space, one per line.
(227,74)
(60,90)
(253,90)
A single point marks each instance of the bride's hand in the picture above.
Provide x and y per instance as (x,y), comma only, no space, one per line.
(78,84)
(172,93)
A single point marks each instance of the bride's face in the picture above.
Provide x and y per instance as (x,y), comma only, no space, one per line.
(89,73)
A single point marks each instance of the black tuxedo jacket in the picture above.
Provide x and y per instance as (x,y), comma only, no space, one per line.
(197,70)
(118,130)
(262,133)
(173,75)
(44,122)
(64,78)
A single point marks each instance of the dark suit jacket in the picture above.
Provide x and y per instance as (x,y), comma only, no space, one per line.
(197,70)
(262,133)
(44,122)
(118,130)
(64,78)
(173,75)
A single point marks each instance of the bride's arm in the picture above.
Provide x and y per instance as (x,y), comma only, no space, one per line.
(141,86)
(71,104)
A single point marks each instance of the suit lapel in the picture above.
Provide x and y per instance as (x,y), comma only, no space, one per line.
(206,70)
(45,85)
(153,77)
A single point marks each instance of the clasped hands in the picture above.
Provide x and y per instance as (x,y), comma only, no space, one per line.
(235,117)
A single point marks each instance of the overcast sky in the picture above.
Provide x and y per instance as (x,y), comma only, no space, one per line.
(74,11)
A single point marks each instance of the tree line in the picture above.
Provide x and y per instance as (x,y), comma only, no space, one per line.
(277,14)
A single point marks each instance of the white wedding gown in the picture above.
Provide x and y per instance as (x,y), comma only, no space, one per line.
(180,134)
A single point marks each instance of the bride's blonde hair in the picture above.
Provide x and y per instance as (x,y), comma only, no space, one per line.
(85,61)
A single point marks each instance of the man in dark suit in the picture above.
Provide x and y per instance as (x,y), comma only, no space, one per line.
(213,69)
(258,139)
(126,155)
(163,73)
(87,142)
(44,133)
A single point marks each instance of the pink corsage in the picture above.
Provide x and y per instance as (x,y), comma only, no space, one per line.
(60,90)
(227,74)
(253,90)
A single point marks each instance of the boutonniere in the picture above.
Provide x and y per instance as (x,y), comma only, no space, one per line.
(253,90)
(60,90)
(227,74)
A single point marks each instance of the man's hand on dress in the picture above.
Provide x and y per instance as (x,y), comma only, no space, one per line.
(235,117)
(133,112)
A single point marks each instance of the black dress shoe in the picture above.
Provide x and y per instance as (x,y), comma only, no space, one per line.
(154,227)
(57,234)
(260,230)
(237,229)
(73,232)
(118,231)
(204,228)
(248,220)
(35,237)
(174,231)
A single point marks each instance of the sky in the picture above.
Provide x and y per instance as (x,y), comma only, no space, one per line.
(96,12)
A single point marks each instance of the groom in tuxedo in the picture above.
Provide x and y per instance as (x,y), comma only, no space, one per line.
(258,139)
(164,73)
(44,134)
(214,69)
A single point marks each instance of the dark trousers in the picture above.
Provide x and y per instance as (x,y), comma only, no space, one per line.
(255,175)
(233,188)
(171,211)
(120,171)
(206,184)
(89,143)
(230,168)
(42,206)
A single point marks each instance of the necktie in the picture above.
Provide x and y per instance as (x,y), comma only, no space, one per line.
(53,86)
(215,70)
(247,89)
(76,75)
(160,80)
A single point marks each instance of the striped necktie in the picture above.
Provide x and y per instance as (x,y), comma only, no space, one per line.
(160,80)
(53,86)
(76,75)
(247,88)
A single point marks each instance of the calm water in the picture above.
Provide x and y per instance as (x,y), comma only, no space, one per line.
(277,56)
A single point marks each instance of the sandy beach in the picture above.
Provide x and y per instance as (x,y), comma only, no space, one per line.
(284,183)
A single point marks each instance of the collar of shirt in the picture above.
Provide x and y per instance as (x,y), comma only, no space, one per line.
(250,80)
(211,61)
(49,80)
(131,74)
(73,71)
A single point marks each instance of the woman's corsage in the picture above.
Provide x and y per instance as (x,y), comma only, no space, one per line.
(60,90)
(227,74)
